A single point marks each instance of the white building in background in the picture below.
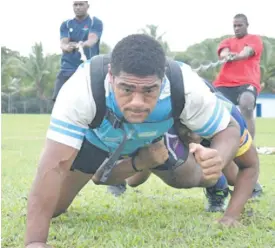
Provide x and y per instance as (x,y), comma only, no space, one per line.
(265,106)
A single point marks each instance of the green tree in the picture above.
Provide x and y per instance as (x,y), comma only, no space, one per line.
(37,72)
(152,30)
(104,48)
(268,64)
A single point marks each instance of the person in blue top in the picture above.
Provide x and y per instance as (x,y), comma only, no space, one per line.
(82,30)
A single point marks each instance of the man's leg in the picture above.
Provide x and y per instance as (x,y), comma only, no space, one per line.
(186,175)
(139,178)
(59,82)
(231,172)
(247,104)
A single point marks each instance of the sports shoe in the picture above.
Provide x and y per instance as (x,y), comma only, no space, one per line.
(258,191)
(217,199)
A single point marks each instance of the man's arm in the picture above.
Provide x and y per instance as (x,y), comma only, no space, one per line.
(55,161)
(224,49)
(65,44)
(74,109)
(95,33)
(227,141)
(205,115)
(246,53)
(245,183)
(225,52)
(253,47)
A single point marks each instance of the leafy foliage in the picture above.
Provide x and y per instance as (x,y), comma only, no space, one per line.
(27,82)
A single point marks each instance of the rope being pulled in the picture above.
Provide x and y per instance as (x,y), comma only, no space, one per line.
(203,67)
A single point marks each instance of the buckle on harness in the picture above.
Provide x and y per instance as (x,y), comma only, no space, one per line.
(115,121)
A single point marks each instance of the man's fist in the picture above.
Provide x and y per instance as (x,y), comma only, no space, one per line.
(152,156)
(70,47)
(209,160)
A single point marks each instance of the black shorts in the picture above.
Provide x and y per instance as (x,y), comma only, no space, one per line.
(91,157)
(60,80)
(233,93)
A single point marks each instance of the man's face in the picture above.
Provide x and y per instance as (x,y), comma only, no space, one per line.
(136,97)
(80,8)
(240,27)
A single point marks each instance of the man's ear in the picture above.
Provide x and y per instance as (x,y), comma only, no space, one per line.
(110,74)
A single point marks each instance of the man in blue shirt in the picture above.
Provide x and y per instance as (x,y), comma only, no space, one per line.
(81,31)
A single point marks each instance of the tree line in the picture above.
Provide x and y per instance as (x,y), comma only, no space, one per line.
(27,82)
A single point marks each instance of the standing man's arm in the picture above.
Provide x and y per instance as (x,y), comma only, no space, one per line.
(72,112)
(254,46)
(224,49)
(95,33)
(65,44)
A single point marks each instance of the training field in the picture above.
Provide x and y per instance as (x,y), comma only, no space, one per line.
(152,215)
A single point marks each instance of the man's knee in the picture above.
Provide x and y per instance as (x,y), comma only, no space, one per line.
(59,212)
(247,104)
(179,180)
(134,184)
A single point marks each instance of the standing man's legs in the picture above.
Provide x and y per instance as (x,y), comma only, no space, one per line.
(247,102)
(59,82)
(245,97)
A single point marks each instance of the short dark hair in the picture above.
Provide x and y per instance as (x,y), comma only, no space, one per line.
(140,55)
(243,16)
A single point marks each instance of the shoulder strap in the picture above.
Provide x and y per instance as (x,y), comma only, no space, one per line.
(210,86)
(98,72)
(174,74)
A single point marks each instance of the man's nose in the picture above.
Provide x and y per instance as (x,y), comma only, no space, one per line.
(137,99)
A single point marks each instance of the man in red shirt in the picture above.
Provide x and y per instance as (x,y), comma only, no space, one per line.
(239,79)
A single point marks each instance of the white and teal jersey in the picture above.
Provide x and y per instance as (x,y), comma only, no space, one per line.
(75,109)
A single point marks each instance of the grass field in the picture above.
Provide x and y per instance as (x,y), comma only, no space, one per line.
(152,215)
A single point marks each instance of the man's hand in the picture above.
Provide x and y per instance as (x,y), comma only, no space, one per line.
(152,156)
(70,47)
(38,245)
(229,222)
(209,160)
(231,57)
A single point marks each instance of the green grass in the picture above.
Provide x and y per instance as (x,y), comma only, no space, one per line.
(153,215)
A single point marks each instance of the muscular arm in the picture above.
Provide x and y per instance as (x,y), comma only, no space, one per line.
(92,39)
(246,53)
(247,177)
(95,33)
(64,44)
(205,115)
(67,46)
(224,53)
(55,160)
(73,110)
(226,142)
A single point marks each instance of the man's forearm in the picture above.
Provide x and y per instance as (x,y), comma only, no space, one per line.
(91,41)
(246,180)
(122,170)
(224,53)
(41,205)
(227,143)
(245,53)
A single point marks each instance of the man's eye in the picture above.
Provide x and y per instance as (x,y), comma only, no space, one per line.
(126,90)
